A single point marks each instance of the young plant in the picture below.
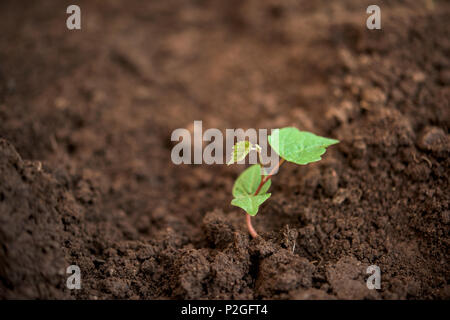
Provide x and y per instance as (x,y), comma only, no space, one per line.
(292,145)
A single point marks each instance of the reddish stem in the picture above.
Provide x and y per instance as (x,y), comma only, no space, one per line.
(250,228)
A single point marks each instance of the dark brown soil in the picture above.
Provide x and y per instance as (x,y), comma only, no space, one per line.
(85,170)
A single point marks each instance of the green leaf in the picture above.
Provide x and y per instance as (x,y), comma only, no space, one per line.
(245,187)
(240,151)
(250,203)
(248,182)
(297,146)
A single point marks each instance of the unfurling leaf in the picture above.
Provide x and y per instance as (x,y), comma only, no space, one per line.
(240,151)
(299,147)
(245,187)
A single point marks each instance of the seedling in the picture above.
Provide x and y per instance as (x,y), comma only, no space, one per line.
(292,145)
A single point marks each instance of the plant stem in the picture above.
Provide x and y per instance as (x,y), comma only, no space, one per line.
(250,228)
(266,178)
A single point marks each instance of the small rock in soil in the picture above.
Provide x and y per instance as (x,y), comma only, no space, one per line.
(330,182)
(435,140)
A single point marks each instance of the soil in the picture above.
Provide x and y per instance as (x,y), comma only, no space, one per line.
(85,171)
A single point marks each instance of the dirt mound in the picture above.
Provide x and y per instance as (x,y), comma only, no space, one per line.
(32,261)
